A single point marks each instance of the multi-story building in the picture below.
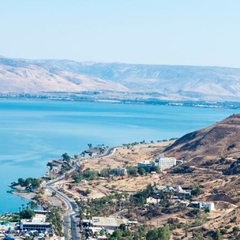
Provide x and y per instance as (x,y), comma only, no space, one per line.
(37,223)
(165,163)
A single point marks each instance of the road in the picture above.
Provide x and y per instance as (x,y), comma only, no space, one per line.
(70,212)
(71,229)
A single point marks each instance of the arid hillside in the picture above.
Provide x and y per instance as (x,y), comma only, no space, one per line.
(219,140)
(164,81)
(35,79)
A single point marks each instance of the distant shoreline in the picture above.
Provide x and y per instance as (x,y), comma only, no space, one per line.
(147,101)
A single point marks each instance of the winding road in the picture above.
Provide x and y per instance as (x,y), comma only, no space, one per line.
(71,229)
(71,210)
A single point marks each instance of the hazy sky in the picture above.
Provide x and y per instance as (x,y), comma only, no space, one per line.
(193,32)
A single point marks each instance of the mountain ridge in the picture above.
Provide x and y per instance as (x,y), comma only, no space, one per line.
(172,81)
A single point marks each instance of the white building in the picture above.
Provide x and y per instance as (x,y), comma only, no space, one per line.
(205,205)
(152,200)
(165,163)
(106,223)
(208,205)
(182,193)
(36,223)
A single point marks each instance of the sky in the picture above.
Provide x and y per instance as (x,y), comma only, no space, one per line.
(176,32)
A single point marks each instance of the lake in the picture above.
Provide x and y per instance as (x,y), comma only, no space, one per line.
(33,132)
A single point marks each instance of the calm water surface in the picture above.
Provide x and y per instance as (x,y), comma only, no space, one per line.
(33,132)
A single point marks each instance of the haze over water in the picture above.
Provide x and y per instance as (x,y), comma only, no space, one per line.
(33,132)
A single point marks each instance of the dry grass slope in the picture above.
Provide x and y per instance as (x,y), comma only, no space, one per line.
(211,143)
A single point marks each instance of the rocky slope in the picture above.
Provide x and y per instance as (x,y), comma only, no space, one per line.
(180,82)
(221,140)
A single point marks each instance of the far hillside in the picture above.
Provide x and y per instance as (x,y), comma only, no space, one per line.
(158,81)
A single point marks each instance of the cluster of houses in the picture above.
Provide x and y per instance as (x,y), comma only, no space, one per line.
(55,166)
(91,152)
(179,192)
(180,196)
(94,152)
(164,163)
(99,227)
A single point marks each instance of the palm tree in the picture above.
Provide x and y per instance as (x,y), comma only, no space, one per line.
(89,145)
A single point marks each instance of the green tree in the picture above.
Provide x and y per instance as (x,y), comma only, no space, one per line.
(105,172)
(132,171)
(32,205)
(123,227)
(56,220)
(217,235)
(21,181)
(26,214)
(142,171)
(196,190)
(88,191)
(101,232)
(91,175)
(162,233)
(28,182)
(81,214)
(235,231)
(155,169)
(54,194)
(89,145)
(117,234)
(66,157)
(152,235)
(207,210)
(140,232)
(101,150)
(36,183)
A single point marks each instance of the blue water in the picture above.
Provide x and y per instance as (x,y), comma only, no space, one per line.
(33,132)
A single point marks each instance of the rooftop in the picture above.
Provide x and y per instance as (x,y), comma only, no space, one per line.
(38,219)
(104,221)
(29,222)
